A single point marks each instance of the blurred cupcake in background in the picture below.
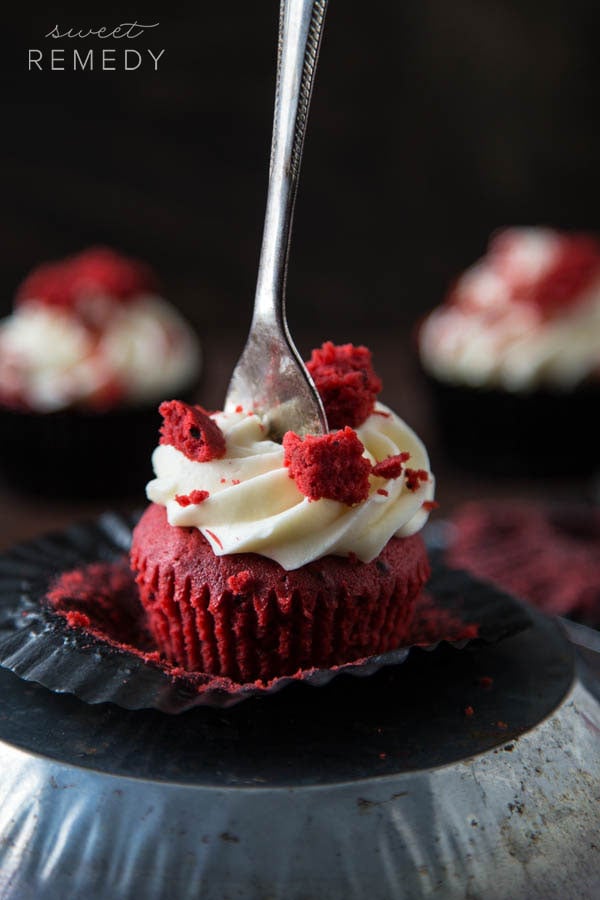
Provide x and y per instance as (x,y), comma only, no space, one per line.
(87,353)
(513,356)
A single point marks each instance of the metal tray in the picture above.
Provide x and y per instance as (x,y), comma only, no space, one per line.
(426,779)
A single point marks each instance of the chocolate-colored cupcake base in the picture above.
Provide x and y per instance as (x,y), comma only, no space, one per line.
(245,617)
(536,434)
(79,453)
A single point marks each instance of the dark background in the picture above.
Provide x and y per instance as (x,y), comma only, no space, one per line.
(432,124)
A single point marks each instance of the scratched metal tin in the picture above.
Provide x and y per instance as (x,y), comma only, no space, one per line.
(472,773)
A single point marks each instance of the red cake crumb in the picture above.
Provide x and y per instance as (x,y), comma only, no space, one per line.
(77,619)
(486,681)
(98,270)
(415,477)
(329,466)
(383,492)
(241,583)
(215,538)
(345,379)
(193,498)
(502,725)
(430,505)
(392,466)
(432,620)
(191,430)
(469,711)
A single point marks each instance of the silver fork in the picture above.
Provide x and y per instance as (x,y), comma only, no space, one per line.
(270,376)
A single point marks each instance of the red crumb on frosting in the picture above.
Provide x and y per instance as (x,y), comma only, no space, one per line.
(383,492)
(241,582)
(214,537)
(429,505)
(469,711)
(392,466)
(193,498)
(97,271)
(330,466)
(415,477)
(346,381)
(191,430)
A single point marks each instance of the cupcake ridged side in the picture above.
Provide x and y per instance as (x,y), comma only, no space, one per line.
(245,617)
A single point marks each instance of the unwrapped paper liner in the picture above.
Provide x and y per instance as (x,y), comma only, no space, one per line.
(40,646)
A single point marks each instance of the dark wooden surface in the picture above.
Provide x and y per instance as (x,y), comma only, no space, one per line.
(23,517)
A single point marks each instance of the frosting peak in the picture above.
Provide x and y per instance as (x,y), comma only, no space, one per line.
(254,506)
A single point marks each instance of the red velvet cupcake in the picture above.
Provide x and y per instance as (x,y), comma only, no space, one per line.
(258,559)
(512,356)
(87,354)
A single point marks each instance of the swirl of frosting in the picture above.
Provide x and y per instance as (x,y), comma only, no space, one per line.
(525,316)
(253,506)
(50,360)
(513,350)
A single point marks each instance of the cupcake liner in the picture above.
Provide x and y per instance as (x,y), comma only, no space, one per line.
(329,612)
(39,645)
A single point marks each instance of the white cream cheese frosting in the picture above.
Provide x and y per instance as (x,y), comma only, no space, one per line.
(486,336)
(255,507)
(50,360)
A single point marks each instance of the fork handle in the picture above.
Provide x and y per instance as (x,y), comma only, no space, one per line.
(300,29)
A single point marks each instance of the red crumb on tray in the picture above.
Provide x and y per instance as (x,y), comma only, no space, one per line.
(193,498)
(101,599)
(191,430)
(469,711)
(486,681)
(330,466)
(78,620)
(345,379)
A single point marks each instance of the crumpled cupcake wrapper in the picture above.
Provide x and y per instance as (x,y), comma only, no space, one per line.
(39,645)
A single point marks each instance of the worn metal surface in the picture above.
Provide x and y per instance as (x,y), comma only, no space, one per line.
(388,790)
